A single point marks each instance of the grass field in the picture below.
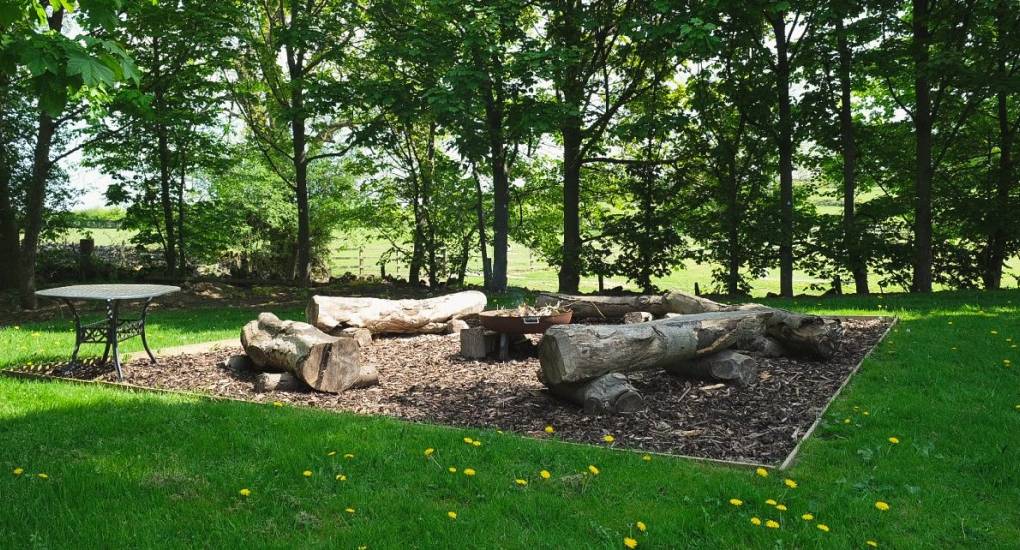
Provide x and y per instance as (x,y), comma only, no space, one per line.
(146,470)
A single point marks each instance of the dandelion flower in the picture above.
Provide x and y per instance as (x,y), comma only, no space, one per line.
(647,458)
(894,440)
(521,482)
(771,502)
(476,443)
(790,483)
(871,543)
(307,473)
(331,453)
(19,471)
(452,470)
(846,420)
(883,506)
(823,527)
(549,429)
(781,507)
(756,521)
(245,492)
(469,472)
(762,472)
(866,413)
(468,440)
(451,514)
(995,332)
(772,524)
(736,502)
(641,526)
(348,456)
(277,403)
(42,476)
(807,517)
(349,510)
(429,451)
(629,542)
(341,477)
(594,471)
(608,438)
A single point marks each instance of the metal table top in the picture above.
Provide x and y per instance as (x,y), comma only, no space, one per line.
(108,292)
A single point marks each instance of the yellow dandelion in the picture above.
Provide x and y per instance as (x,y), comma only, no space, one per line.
(594,471)
(647,458)
(608,438)
(331,453)
(883,506)
(772,524)
(307,473)
(871,543)
(349,510)
(42,476)
(348,455)
(807,517)
(277,403)
(521,482)
(629,542)
(762,472)
(341,477)
(451,514)
(469,472)
(771,502)
(468,440)
(549,429)
(429,451)
(736,502)
(452,470)
(790,483)
(476,443)
(245,492)
(19,471)
(756,521)
(846,420)
(995,332)
(823,527)
(894,440)
(866,413)
(641,526)
(781,507)
(545,474)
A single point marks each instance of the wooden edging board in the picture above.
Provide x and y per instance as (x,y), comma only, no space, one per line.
(785,464)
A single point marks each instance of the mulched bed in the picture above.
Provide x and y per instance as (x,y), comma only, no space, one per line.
(423,379)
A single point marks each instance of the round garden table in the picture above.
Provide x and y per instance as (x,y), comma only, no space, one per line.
(113,329)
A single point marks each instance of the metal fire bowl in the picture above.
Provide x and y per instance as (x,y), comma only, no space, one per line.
(528,324)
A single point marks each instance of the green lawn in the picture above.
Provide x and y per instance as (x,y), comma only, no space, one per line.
(144,470)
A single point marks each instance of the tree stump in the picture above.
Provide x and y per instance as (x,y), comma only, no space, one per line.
(326,363)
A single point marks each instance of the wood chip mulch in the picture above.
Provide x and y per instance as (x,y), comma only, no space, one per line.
(423,379)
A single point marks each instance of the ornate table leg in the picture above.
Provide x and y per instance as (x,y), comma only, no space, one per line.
(77,331)
(112,307)
(145,343)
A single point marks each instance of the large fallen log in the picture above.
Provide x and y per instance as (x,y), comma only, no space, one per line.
(575,353)
(608,394)
(604,307)
(428,316)
(326,363)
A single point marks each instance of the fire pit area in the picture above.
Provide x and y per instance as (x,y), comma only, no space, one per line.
(426,378)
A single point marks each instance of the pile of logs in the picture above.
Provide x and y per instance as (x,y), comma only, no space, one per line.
(293,355)
(438,315)
(693,336)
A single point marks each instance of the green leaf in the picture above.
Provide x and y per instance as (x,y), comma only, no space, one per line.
(93,73)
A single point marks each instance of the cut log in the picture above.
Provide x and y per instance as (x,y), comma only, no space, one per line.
(332,313)
(635,317)
(726,365)
(609,394)
(806,335)
(455,326)
(362,336)
(326,363)
(573,353)
(478,343)
(278,381)
(604,307)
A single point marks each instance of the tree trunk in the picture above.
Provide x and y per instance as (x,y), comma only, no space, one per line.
(9,234)
(500,184)
(848,149)
(482,246)
(998,238)
(181,257)
(614,307)
(332,313)
(923,128)
(36,199)
(608,394)
(299,137)
(326,363)
(163,153)
(727,366)
(785,156)
(572,89)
